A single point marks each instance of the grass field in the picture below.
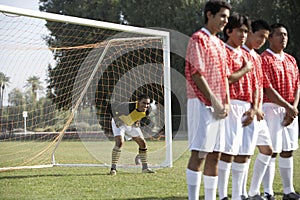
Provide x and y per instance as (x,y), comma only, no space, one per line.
(94,183)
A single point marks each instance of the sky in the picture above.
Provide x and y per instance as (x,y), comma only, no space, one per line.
(28,61)
(27,4)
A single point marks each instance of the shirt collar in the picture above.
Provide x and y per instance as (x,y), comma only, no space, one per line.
(235,50)
(278,56)
(206,31)
(251,51)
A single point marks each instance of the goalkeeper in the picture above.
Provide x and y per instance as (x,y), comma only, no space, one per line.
(126,119)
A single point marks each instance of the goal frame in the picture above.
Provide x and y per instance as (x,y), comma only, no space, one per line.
(164,35)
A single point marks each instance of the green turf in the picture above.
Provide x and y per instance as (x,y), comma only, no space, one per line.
(94,183)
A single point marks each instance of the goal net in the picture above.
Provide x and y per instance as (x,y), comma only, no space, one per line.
(60,77)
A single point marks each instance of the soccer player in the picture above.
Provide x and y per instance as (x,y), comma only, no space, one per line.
(126,119)
(207,105)
(242,83)
(256,38)
(281,89)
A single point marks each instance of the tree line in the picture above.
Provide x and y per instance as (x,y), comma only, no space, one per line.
(184,16)
(41,111)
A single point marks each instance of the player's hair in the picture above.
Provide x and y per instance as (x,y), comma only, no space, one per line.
(214,6)
(260,24)
(143,96)
(275,26)
(236,20)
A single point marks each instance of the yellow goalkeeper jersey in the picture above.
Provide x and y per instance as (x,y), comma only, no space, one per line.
(133,117)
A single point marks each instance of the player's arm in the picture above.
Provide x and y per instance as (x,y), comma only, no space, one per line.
(297,97)
(237,75)
(118,121)
(227,101)
(260,114)
(277,99)
(291,110)
(118,110)
(249,114)
(289,119)
(203,86)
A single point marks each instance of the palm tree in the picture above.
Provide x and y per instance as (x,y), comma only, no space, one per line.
(4,81)
(35,84)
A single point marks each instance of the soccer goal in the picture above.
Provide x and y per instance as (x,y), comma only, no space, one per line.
(60,76)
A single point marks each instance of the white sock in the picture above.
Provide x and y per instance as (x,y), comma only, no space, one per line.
(259,169)
(286,173)
(238,170)
(223,178)
(269,177)
(245,179)
(193,180)
(210,187)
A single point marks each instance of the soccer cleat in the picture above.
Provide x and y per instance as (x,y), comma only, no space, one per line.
(291,196)
(243,197)
(148,170)
(269,196)
(256,197)
(113,172)
(225,198)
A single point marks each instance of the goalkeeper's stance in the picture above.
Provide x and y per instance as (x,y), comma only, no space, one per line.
(126,119)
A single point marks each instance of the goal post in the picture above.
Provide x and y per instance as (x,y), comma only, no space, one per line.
(87,65)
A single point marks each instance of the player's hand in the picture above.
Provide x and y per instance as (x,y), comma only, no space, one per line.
(248,117)
(287,120)
(220,111)
(292,111)
(247,65)
(260,115)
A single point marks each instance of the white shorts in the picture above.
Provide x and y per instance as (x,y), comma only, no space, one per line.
(284,138)
(264,138)
(128,130)
(255,134)
(234,127)
(205,133)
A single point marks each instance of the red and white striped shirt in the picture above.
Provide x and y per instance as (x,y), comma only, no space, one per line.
(244,87)
(255,59)
(206,55)
(280,73)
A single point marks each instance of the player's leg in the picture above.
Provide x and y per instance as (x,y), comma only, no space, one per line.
(197,136)
(210,175)
(260,166)
(263,158)
(143,153)
(224,167)
(233,137)
(285,163)
(239,166)
(245,180)
(254,134)
(194,173)
(116,151)
(273,116)
(269,176)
